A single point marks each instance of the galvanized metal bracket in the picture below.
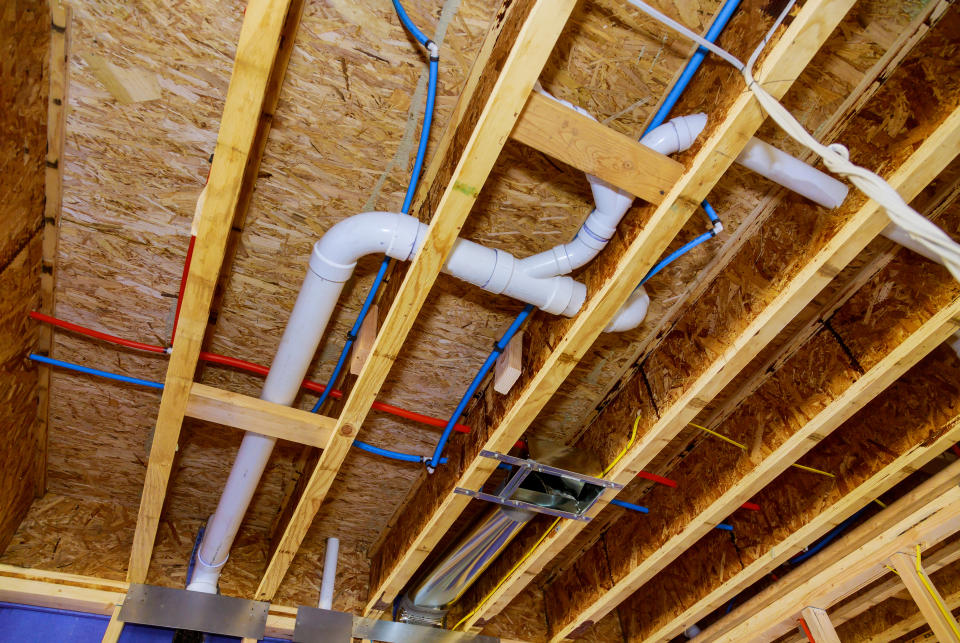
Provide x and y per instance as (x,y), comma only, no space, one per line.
(195,611)
(315,625)
(524,469)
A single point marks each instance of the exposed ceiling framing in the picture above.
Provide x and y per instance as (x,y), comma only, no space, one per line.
(805,338)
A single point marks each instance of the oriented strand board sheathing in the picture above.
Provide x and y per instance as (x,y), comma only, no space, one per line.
(132,173)
(24,43)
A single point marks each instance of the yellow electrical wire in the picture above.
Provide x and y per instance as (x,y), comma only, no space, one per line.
(936,599)
(623,452)
(744,447)
(882,505)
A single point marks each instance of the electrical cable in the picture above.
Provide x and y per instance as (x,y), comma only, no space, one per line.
(369,448)
(498,348)
(835,156)
(948,617)
(743,447)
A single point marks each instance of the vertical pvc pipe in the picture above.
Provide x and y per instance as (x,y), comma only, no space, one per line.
(329,573)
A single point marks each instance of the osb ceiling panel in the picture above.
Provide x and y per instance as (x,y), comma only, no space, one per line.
(133,170)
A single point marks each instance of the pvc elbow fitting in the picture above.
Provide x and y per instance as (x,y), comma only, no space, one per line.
(676,135)
(632,313)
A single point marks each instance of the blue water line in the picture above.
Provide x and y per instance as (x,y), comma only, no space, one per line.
(433,72)
(630,505)
(723,17)
(408,24)
(676,254)
(387,453)
(93,371)
(475,384)
(836,531)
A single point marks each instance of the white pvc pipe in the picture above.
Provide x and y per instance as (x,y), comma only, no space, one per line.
(538,280)
(792,173)
(899,235)
(329,573)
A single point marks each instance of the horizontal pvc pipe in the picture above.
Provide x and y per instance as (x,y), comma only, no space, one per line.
(792,173)
(895,233)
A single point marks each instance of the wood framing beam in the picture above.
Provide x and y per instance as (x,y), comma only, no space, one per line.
(863,221)
(926,596)
(567,135)
(890,587)
(610,279)
(516,48)
(928,161)
(253,414)
(924,516)
(917,621)
(52,207)
(819,625)
(253,66)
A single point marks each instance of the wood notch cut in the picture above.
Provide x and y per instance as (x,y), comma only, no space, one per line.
(365,339)
(509,365)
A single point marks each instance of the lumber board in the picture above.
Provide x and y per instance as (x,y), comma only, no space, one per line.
(569,136)
(826,131)
(53,178)
(920,168)
(924,516)
(926,596)
(520,39)
(253,65)
(687,400)
(253,414)
(609,285)
(917,621)
(891,586)
(818,622)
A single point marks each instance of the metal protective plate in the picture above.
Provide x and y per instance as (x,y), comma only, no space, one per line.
(315,624)
(196,611)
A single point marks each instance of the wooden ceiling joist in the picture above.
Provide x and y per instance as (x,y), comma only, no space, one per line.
(879,593)
(560,344)
(919,169)
(925,516)
(517,46)
(253,68)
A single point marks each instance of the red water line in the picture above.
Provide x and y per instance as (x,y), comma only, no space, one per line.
(95,333)
(183,286)
(752,506)
(652,476)
(806,631)
(224,360)
(956,450)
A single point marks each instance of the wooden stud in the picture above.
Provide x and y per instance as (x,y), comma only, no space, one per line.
(53,177)
(926,596)
(256,51)
(925,515)
(788,56)
(580,141)
(252,414)
(114,626)
(915,173)
(364,343)
(509,365)
(819,625)
(520,40)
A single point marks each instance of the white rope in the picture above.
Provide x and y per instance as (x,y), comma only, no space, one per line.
(836,157)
